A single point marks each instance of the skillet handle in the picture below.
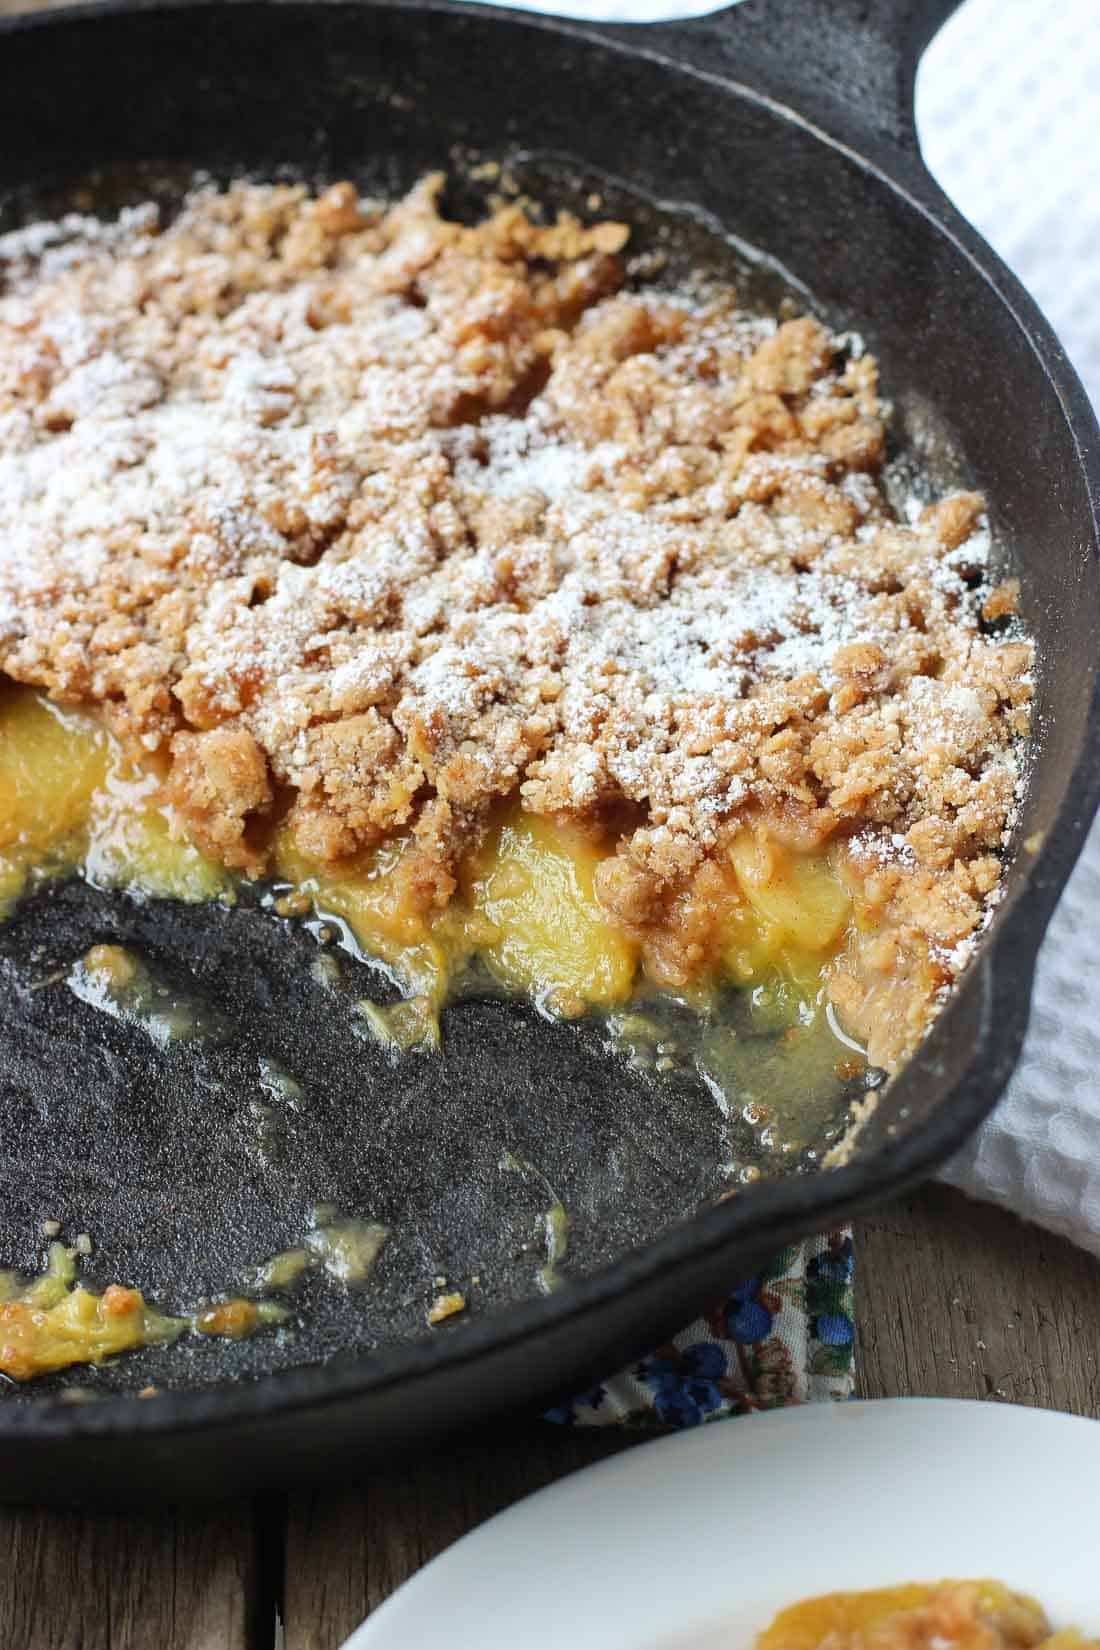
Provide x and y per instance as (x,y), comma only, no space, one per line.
(849,64)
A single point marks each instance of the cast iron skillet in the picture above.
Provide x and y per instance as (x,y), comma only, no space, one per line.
(785,123)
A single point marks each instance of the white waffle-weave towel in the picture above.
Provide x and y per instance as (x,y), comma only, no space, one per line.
(1008,109)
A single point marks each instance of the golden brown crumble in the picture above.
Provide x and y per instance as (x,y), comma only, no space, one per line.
(364,520)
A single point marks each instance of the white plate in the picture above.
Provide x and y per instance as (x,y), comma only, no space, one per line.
(695,1541)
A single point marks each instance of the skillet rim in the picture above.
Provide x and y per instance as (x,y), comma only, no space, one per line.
(997,986)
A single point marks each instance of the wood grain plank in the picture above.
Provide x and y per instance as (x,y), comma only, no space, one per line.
(173,1581)
(346,1553)
(957,1298)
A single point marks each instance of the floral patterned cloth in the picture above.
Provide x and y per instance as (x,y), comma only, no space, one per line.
(784,1337)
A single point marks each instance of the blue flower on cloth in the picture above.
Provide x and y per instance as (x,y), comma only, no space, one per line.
(835,1264)
(828,1302)
(685,1384)
(834,1328)
(748,1317)
(783,1337)
(565,1415)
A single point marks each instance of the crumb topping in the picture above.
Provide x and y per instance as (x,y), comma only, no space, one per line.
(365,519)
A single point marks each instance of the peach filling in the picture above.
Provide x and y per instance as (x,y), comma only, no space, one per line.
(948,1615)
(532,903)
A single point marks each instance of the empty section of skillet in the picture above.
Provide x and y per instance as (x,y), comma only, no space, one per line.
(185,1174)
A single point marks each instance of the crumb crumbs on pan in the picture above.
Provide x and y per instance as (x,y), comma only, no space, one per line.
(446,1306)
(54,1322)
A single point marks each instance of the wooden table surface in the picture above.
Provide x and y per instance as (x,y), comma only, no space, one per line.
(952,1300)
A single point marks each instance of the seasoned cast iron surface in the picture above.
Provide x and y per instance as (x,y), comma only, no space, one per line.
(163,1156)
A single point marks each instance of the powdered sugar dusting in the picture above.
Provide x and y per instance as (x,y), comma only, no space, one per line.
(429,515)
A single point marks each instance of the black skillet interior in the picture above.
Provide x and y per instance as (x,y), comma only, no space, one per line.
(161,1155)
